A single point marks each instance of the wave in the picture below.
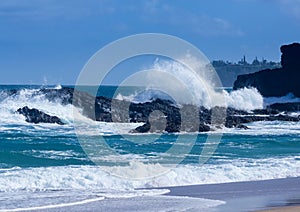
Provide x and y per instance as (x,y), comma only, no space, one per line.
(95,178)
(147,95)
(196,84)
(267,128)
(243,99)
(77,200)
(33,99)
(12,100)
(185,85)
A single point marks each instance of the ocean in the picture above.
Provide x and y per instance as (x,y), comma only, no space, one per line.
(44,166)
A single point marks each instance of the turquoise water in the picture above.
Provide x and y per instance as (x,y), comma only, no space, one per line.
(50,157)
(19,149)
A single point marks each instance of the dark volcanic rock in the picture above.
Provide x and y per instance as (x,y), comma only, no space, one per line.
(142,129)
(158,115)
(231,119)
(36,116)
(276,82)
(168,119)
(63,95)
(290,57)
(285,107)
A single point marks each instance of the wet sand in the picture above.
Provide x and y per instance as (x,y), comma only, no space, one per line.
(283,209)
(248,196)
(269,195)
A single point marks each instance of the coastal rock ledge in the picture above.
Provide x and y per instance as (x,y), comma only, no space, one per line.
(276,82)
(159,115)
(35,116)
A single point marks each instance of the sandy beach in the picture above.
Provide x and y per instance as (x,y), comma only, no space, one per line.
(283,209)
(268,195)
(247,196)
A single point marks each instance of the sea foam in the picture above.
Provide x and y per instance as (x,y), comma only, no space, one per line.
(197,84)
(95,178)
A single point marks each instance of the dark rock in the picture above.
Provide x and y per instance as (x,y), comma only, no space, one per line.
(283,118)
(267,111)
(290,57)
(63,95)
(140,112)
(36,116)
(158,115)
(234,112)
(285,107)
(142,129)
(203,128)
(241,126)
(238,121)
(276,82)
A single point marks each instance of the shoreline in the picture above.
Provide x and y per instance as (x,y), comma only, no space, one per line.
(265,195)
(261,196)
(282,209)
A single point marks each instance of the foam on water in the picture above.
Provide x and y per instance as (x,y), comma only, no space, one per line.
(142,200)
(97,183)
(267,128)
(30,98)
(10,120)
(244,99)
(52,206)
(52,154)
(95,178)
(196,84)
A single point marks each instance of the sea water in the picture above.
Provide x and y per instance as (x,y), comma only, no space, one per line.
(45,166)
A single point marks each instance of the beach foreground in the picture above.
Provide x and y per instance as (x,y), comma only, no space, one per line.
(283,209)
(247,196)
(267,195)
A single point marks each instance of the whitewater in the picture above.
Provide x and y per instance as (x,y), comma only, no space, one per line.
(44,166)
(47,161)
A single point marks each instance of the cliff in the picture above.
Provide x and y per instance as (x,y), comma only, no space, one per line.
(276,82)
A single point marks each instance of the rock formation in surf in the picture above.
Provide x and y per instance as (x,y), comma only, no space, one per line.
(35,116)
(276,82)
(158,115)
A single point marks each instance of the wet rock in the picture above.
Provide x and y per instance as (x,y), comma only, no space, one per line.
(35,116)
(285,107)
(158,115)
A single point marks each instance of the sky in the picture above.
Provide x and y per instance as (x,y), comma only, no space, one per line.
(49,41)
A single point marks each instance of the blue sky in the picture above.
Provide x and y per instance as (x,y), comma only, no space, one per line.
(49,41)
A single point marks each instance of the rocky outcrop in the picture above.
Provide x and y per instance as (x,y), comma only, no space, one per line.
(285,107)
(158,115)
(276,82)
(233,119)
(35,116)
